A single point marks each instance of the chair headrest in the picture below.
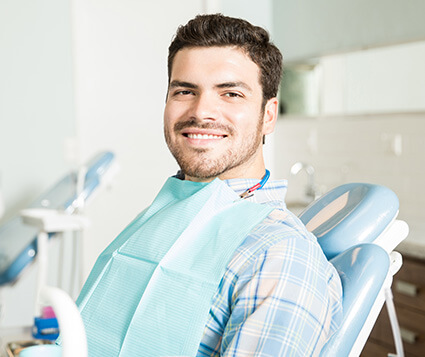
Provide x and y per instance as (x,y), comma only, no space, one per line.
(350,214)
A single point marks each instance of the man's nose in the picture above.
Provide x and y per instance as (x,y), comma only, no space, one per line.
(205,107)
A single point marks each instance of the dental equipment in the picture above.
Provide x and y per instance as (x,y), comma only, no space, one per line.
(48,221)
(71,326)
(21,244)
(18,246)
(70,323)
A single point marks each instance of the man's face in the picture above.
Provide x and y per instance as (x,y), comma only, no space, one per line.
(213,119)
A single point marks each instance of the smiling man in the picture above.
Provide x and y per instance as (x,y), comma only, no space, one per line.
(278,296)
(216,266)
(215,117)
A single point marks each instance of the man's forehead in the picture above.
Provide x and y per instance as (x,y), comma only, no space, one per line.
(211,50)
(216,59)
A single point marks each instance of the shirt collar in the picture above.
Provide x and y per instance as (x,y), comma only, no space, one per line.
(272,193)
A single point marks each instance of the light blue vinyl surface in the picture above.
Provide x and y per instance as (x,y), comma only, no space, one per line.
(350,214)
(362,269)
(345,221)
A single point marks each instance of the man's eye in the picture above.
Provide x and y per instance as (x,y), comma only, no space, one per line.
(183,92)
(233,95)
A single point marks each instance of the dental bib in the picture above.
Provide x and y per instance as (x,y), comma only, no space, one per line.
(150,291)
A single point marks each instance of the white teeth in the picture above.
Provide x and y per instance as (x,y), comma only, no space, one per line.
(204,136)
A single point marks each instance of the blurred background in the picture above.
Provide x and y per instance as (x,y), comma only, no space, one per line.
(81,76)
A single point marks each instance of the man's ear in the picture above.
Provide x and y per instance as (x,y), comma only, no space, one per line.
(270,115)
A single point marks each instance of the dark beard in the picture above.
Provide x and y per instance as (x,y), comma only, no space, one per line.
(198,165)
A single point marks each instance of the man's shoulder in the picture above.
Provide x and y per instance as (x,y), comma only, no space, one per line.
(278,226)
(280,232)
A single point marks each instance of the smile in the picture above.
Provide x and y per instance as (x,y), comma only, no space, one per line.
(204,136)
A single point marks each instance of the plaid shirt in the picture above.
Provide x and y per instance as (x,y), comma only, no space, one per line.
(279,295)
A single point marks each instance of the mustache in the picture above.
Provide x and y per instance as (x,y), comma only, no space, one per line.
(195,124)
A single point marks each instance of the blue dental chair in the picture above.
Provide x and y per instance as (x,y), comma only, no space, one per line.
(356,226)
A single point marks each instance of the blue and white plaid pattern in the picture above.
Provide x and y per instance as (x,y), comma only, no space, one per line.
(279,295)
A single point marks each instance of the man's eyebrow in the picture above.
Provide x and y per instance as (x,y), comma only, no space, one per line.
(183,84)
(233,85)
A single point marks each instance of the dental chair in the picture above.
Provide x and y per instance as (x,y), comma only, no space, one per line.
(357,229)
(356,226)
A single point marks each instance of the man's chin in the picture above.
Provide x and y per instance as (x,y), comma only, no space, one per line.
(201,175)
(201,170)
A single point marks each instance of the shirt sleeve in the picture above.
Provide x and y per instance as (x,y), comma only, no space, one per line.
(286,303)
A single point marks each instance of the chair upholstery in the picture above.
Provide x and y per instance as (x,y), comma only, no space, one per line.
(347,221)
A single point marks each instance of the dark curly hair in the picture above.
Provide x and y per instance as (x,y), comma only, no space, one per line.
(220,30)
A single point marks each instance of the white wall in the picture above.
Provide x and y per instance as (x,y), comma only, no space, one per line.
(258,13)
(36,97)
(36,116)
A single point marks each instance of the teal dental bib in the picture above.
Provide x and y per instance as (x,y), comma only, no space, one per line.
(150,291)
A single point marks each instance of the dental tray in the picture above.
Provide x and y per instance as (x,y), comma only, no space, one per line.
(18,241)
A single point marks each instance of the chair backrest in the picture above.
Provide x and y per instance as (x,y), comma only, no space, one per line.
(348,221)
